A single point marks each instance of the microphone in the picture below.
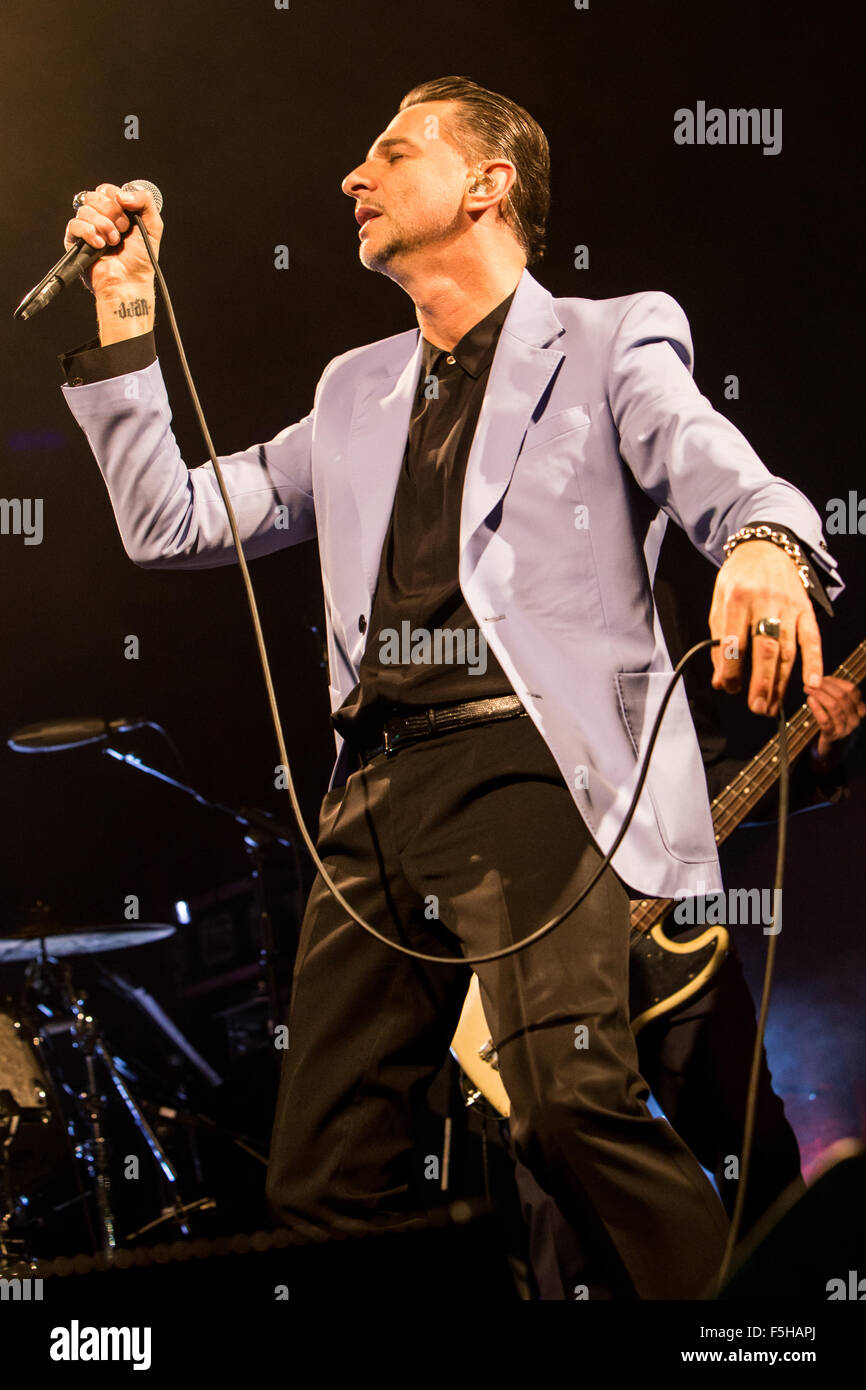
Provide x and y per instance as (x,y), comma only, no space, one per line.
(76,261)
(57,734)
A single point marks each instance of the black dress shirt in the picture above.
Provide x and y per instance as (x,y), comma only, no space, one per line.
(420,625)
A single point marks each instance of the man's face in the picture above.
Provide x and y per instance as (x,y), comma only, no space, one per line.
(415,179)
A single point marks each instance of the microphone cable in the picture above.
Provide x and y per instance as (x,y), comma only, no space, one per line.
(542,931)
(489,956)
(769,966)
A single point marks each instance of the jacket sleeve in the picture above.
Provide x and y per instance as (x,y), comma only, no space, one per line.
(686,456)
(171,516)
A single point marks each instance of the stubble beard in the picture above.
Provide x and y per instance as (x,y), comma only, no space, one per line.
(382,258)
(386,258)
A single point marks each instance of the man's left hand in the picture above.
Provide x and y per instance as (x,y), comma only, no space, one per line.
(758,580)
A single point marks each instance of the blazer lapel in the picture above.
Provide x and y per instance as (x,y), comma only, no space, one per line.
(379,430)
(522,371)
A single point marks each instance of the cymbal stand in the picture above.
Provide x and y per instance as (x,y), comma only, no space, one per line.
(93,1045)
(260,832)
(75,1019)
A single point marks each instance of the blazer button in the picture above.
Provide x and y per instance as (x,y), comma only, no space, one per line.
(362,623)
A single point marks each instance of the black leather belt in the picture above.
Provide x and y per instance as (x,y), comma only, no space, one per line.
(442,719)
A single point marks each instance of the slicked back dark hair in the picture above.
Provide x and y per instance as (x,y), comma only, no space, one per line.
(486,125)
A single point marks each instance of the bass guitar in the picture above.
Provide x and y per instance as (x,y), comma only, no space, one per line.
(663,973)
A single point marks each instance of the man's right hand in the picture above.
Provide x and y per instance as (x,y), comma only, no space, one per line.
(122,279)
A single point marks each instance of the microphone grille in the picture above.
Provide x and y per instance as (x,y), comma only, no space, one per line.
(145,186)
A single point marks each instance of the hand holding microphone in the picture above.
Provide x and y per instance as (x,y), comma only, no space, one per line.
(104,245)
(100,221)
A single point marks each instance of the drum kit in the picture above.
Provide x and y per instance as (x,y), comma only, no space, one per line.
(58,1081)
(77,1115)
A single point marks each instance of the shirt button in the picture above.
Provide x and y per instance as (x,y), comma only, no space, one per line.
(450,360)
(76,381)
(362,623)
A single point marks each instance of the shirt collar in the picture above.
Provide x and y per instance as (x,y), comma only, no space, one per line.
(476,348)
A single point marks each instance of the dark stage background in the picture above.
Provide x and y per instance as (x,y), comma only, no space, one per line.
(249,118)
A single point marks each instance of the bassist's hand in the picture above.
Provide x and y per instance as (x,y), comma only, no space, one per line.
(838,708)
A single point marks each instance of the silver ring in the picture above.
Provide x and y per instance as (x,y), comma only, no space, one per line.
(79,199)
(768,627)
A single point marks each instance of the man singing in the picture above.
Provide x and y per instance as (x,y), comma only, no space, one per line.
(481,488)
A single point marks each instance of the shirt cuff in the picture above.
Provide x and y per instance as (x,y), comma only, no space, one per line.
(90,362)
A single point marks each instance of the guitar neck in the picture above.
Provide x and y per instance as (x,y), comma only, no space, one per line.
(742,794)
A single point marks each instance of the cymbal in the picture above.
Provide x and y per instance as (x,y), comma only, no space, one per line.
(29,942)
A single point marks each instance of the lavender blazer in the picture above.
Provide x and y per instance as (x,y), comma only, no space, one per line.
(591,434)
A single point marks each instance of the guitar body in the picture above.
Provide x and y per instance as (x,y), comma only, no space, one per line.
(663,974)
(471,1039)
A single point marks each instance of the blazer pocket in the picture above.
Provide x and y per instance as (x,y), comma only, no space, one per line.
(676,782)
(551,426)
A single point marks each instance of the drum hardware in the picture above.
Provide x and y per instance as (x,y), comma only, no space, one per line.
(138,995)
(57,1009)
(193,1120)
(44,948)
(93,1149)
(173,1214)
(261,830)
(261,833)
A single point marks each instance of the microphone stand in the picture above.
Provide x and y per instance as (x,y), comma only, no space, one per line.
(261,832)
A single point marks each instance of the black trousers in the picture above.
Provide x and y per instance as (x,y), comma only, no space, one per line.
(467,842)
(697,1061)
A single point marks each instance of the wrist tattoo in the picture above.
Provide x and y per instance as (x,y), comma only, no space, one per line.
(133,309)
